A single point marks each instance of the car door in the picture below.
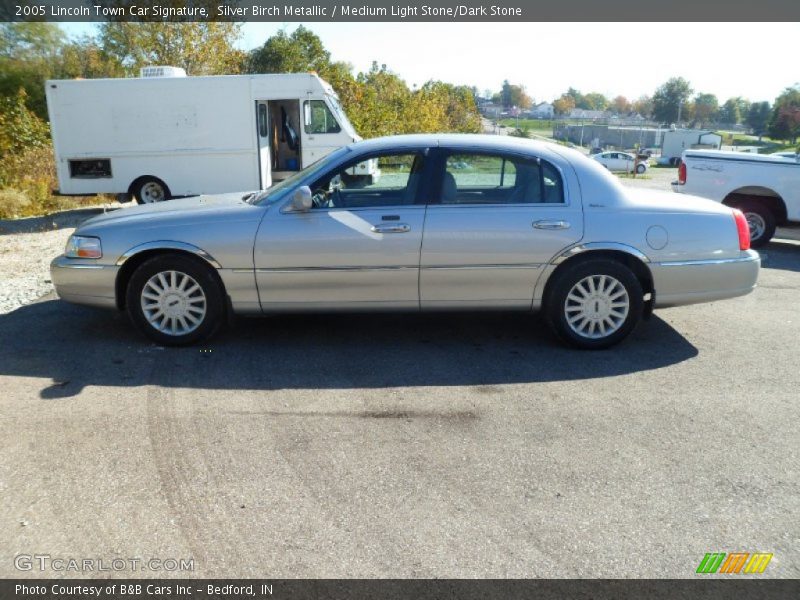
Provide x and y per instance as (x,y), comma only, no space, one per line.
(357,248)
(497,219)
(612,161)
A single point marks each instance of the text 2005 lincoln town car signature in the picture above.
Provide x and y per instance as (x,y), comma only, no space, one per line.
(450,222)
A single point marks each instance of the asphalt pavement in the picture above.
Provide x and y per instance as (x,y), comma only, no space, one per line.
(468,445)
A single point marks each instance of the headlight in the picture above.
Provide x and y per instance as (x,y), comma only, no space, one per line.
(79,246)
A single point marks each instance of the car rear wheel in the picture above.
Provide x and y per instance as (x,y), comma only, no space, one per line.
(761,222)
(175,300)
(594,304)
(640,169)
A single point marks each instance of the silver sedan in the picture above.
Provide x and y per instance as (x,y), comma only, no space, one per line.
(454,222)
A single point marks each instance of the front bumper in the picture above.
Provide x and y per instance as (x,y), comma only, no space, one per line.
(84,282)
(689,282)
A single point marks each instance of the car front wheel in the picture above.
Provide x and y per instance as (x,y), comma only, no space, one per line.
(594,304)
(175,300)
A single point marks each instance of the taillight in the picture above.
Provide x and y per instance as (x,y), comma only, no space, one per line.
(682,173)
(742,228)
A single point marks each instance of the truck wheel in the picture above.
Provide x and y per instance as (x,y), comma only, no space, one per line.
(150,189)
(594,304)
(175,300)
(761,221)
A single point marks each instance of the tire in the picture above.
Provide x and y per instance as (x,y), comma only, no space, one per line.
(761,221)
(640,169)
(197,314)
(614,283)
(149,189)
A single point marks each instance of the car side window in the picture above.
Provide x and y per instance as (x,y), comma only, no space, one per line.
(494,179)
(318,118)
(377,181)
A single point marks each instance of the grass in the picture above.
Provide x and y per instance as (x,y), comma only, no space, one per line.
(631,176)
(532,124)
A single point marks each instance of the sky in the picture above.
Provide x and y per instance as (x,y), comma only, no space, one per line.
(631,59)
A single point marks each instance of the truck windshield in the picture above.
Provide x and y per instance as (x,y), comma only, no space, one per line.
(340,115)
(276,192)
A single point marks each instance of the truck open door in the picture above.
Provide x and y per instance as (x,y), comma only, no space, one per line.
(264,136)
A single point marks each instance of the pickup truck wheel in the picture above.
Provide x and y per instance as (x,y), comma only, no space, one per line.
(761,221)
(175,300)
(594,304)
(150,189)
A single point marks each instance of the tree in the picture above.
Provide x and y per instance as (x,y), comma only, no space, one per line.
(784,124)
(564,105)
(514,95)
(621,105)
(298,52)
(643,106)
(758,118)
(202,48)
(734,110)
(595,101)
(20,128)
(704,109)
(669,100)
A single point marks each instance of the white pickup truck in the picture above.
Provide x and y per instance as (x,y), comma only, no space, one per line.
(765,188)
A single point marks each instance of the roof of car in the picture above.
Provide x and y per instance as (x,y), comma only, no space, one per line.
(499,142)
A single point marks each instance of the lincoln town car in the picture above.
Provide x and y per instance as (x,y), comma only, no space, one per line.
(448,222)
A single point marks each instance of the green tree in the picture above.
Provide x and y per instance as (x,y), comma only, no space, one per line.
(297,52)
(29,53)
(734,110)
(758,118)
(704,109)
(20,128)
(669,100)
(784,123)
(595,101)
(202,48)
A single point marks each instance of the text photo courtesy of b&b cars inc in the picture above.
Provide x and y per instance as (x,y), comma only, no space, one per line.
(357,299)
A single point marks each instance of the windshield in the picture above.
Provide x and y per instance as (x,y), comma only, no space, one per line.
(275,192)
(341,116)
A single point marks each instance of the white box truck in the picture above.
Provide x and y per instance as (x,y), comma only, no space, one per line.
(675,141)
(165,134)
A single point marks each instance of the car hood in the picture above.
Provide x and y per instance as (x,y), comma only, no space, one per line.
(190,207)
(641,199)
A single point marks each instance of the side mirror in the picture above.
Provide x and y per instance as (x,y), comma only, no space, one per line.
(301,199)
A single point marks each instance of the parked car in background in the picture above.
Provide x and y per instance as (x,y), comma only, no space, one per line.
(455,222)
(766,188)
(621,161)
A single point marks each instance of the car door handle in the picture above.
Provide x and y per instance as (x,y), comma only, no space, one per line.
(391,228)
(551,225)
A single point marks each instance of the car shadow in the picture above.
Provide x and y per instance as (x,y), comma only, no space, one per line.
(782,255)
(71,347)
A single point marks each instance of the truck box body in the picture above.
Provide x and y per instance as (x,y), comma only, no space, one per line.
(195,134)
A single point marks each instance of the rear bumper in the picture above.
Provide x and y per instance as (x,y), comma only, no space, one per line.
(677,187)
(80,282)
(690,282)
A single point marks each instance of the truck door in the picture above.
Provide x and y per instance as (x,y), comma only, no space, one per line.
(322,133)
(263,136)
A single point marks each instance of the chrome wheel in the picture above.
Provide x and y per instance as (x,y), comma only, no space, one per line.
(173,303)
(152,191)
(756,223)
(596,306)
